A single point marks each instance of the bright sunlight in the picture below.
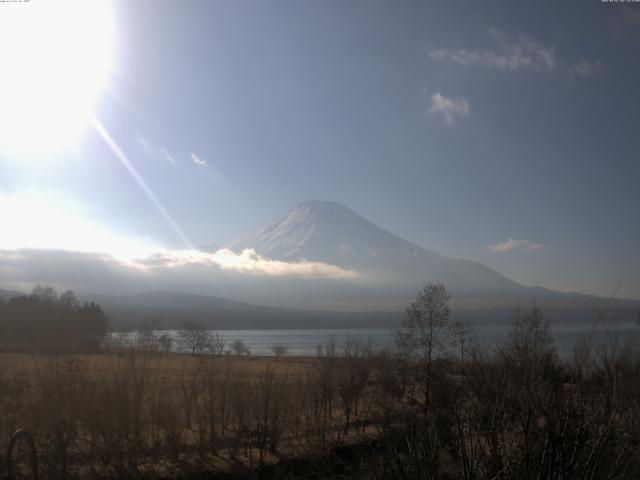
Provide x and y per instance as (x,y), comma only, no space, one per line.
(55,58)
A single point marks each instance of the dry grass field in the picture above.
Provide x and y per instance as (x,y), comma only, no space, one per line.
(133,412)
(428,410)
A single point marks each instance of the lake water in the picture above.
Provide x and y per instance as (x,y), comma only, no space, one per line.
(305,341)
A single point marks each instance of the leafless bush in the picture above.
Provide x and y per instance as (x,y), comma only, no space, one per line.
(279,350)
(238,347)
(353,378)
(195,338)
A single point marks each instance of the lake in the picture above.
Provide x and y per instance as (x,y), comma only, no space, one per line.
(305,341)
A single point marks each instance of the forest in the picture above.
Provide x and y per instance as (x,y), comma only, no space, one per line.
(47,322)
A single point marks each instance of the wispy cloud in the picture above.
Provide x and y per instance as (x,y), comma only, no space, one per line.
(512,244)
(624,22)
(151,148)
(450,108)
(167,155)
(584,68)
(164,153)
(246,262)
(519,54)
(144,144)
(197,160)
(631,16)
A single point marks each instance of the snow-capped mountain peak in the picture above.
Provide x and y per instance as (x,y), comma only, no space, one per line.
(329,232)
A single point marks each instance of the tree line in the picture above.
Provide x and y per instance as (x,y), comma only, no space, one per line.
(45,321)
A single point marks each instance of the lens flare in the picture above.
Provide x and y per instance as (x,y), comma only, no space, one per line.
(55,57)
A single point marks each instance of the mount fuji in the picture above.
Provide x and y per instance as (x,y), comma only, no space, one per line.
(386,272)
(329,232)
(390,269)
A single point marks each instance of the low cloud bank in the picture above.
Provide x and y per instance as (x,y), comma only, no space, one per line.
(246,262)
(48,238)
(167,269)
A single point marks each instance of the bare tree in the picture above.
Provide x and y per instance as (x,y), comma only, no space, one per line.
(68,299)
(425,333)
(212,406)
(166,342)
(146,337)
(529,351)
(279,350)
(238,347)
(353,377)
(195,338)
(217,343)
(326,379)
(44,294)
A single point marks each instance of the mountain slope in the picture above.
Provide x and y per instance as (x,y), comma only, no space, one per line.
(6,295)
(332,233)
(168,309)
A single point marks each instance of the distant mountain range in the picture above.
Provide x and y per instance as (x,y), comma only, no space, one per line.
(393,269)
(390,273)
(169,310)
(331,233)
(6,295)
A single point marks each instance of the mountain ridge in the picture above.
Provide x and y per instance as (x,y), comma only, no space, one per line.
(329,232)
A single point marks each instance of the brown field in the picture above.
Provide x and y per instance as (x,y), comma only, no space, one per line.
(132,412)
(514,412)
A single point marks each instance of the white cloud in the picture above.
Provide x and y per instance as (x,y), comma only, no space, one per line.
(150,147)
(512,244)
(242,276)
(246,262)
(60,244)
(521,54)
(181,270)
(450,108)
(167,155)
(197,160)
(144,144)
(518,54)
(584,68)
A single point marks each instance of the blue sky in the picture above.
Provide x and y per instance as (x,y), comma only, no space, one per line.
(456,125)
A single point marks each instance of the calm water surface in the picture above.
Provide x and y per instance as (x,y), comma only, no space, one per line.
(305,341)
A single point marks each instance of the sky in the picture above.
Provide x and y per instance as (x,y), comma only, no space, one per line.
(502,132)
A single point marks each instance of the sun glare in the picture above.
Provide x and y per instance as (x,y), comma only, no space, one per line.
(55,57)
(50,221)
